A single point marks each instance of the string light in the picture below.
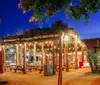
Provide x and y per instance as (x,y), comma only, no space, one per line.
(0,48)
(54,46)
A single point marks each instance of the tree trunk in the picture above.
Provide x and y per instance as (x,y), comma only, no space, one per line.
(90,62)
(60,63)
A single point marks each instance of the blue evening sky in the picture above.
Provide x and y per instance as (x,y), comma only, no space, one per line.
(13,19)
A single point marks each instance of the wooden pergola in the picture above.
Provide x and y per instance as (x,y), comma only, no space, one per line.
(45,40)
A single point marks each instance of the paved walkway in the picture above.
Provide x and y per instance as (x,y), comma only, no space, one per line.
(74,77)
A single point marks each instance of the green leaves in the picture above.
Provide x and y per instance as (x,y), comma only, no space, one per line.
(93,56)
(80,8)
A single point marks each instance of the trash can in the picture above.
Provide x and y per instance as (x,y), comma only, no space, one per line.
(48,70)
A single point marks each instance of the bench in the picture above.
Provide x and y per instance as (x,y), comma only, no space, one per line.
(41,69)
(18,68)
(29,67)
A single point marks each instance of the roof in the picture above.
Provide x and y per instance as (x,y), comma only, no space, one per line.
(37,35)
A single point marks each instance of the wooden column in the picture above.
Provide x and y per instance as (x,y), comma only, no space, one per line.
(2,59)
(17,55)
(20,54)
(76,56)
(67,62)
(60,62)
(54,67)
(56,56)
(24,60)
(43,54)
(35,52)
(1,63)
(82,54)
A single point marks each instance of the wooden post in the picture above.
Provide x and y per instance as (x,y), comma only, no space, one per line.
(76,58)
(4,57)
(2,60)
(35,52)
(67,62)
(56,56)
(17,56)
(82,54)
(54,70)
(20,54)
(66,52)
(60,62)
(43,54)
(24,60)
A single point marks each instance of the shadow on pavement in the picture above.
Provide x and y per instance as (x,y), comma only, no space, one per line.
(3,82)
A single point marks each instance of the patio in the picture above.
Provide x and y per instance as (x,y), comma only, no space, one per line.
(74,77)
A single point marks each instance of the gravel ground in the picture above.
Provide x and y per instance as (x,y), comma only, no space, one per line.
(74,77)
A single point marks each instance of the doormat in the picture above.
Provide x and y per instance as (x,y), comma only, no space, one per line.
(3,82)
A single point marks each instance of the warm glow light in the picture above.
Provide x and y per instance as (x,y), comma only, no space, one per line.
(11,50)
(54,46)
(27,54)
(46,42)
(29,44)
(20,45)
(66,37)
(79,41)
(0,48)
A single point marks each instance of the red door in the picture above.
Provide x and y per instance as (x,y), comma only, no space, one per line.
(1,63)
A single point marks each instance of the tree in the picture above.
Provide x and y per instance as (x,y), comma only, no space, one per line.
(93,60)
(59,25)
(19,32)
(75,9)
